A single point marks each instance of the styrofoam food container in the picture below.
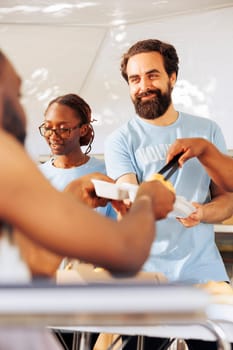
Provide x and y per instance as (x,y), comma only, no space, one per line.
(182,207)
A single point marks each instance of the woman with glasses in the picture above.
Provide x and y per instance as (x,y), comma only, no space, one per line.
(67,128)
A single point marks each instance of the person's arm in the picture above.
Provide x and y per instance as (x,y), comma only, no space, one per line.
(218,209)
(41,262)
(218,165)
(67,227)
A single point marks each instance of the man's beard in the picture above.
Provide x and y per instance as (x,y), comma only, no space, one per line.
(12,121)
(156,106)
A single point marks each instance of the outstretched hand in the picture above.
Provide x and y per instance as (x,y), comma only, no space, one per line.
(194,218)
(83,189)
(191,147)
(162,198)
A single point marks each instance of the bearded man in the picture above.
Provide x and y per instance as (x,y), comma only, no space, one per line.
(185,249)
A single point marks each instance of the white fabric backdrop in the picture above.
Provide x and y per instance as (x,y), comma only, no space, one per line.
(53,60)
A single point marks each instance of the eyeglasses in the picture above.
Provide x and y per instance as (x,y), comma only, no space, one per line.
(60,132)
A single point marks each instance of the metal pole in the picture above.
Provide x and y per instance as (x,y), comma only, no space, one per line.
(222,342)
(140,342)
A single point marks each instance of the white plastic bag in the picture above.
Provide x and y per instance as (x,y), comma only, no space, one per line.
(12,268)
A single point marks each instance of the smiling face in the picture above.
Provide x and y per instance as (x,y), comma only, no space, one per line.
(13,119)
(59,116)
(149,84)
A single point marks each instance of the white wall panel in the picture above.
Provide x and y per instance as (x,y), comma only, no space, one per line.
(51,60)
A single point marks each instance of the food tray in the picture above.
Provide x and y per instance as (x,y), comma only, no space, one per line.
(182,208)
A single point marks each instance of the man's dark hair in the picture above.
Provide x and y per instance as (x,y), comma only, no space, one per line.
(167,51)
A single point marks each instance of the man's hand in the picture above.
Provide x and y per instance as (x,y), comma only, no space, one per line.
(162,198)
(191,147)
(194,218)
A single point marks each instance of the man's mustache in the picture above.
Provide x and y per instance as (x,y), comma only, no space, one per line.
(156,92)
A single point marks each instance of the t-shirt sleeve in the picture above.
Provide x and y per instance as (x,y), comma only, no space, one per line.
(118,156)
(219,140)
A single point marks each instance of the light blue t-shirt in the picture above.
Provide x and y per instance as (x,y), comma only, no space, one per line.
(60,177)
(182,254)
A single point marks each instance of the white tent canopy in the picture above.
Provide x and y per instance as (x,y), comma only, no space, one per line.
(76,46)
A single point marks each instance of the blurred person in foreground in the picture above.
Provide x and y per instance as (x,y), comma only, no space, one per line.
(59,221)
